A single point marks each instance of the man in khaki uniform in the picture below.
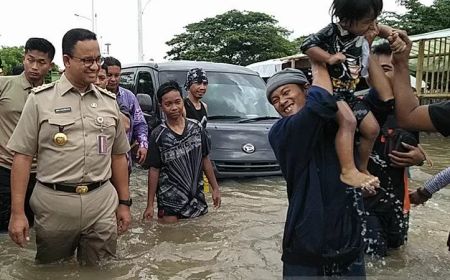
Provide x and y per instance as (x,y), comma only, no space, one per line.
(77,133)
(14,92)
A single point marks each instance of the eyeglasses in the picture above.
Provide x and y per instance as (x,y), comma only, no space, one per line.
(89,61)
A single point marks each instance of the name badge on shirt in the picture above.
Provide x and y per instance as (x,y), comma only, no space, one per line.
(63,110)
(102,144)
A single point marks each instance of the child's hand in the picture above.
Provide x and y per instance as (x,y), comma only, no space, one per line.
(397,44)
(336,58)
(372,33)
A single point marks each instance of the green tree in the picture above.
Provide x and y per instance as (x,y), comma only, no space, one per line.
(419,18)
(233,37)
(11,56)
(298,42)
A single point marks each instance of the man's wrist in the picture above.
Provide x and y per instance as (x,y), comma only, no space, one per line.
(424,193)
(126,202)
(143,145)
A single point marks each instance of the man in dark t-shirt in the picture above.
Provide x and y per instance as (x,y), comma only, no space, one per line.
(387,222)
(178,155)
(411,115)
(196,85)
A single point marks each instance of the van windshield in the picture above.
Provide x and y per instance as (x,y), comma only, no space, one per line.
(230,95)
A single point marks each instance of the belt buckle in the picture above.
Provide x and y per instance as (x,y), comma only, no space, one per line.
(81,189)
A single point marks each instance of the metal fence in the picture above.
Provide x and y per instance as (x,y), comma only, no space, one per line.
(430,62)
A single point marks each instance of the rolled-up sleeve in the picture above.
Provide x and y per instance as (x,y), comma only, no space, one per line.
(24,139)
(319,39)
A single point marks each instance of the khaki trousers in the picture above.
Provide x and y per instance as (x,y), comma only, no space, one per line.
(65,222)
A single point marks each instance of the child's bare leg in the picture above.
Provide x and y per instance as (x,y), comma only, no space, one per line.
(350,175)
(369,132)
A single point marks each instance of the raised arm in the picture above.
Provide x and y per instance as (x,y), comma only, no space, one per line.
(321,78)
(410,115)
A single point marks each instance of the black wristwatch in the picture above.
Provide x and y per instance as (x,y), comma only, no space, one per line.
(424,193)
(126,202)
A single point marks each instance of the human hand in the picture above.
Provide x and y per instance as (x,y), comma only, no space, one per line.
(148,213)
(416,198)
(216,197)
(372,33)
(413,156)
(396,43)
(123,218)
(141,154)
(336,58)
(368,191)
(18,229)
(402,56)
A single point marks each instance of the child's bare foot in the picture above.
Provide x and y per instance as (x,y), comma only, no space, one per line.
(376,180)
(358,179)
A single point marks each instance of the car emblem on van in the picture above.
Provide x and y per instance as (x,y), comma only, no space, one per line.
(248,148)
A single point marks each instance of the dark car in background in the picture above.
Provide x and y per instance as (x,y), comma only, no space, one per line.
(239,116)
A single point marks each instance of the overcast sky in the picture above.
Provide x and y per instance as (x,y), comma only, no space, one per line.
(162,19)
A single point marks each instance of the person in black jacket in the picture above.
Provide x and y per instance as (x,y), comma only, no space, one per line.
(323,230)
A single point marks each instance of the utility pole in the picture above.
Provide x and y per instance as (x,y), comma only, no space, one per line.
(140,42)
(140,36)
(93,16)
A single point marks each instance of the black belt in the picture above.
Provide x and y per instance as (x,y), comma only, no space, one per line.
(79,189)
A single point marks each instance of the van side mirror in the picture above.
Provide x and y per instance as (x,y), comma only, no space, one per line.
(145,101)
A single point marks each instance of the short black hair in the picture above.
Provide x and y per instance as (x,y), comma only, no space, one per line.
(353,10)
(110,61)
(168,87)
(42,45)
(73,36)
(382,48)
(17,70)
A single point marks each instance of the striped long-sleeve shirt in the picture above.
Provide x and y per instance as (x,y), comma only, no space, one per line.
(438,181)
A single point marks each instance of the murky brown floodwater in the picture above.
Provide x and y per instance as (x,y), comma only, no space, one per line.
(242,240)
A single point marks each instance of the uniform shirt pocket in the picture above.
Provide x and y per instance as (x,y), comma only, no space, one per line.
(65,126)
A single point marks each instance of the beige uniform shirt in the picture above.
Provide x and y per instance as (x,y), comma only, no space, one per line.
(84,118)
(14,92)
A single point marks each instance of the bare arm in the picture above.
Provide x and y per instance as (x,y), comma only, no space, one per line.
(209,172)
(321,77)
(410,115)
(379,81)
(20,174)
(119,179)
(153,177)
(318,54)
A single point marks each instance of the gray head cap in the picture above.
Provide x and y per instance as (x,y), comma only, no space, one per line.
(284,77)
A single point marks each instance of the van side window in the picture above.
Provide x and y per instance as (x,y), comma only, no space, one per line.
(127,80)
(145,83)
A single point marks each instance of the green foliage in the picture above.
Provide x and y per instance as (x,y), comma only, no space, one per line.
(233,37)
(298,42)
(418,17)
(10,57)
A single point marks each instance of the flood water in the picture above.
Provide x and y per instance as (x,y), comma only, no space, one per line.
(242,240)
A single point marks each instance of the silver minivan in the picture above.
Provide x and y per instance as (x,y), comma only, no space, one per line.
(239,116)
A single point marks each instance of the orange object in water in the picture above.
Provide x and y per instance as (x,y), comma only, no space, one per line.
(205,184)
(406,201)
